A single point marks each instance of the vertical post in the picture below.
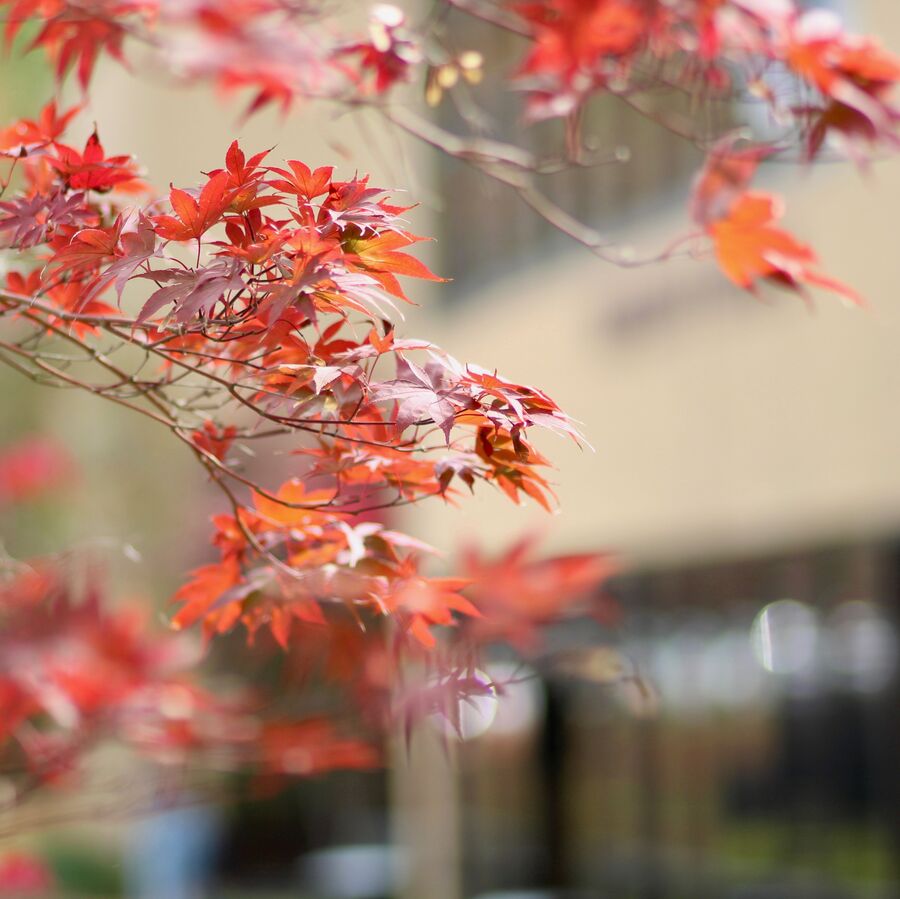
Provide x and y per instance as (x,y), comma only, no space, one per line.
(889,790)
(649,765)
(553,803)
(425,816)
(648,739)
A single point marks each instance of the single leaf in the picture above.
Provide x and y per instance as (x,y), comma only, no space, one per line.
(194,217)
(750,248)
(192,291)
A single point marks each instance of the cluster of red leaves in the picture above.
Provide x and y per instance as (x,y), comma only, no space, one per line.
(275,285)
(854,76)
(75,34)
(841,86)
(69,670)
(275,48)
(520,594)
(583,47)
(272,288)
(580,47)
(391,50)
(73,673)
(280,51)
(322,560)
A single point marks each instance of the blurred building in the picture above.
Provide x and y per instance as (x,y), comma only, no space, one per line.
(745,466)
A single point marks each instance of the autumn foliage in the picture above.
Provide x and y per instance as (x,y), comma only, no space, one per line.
(283,311)
(267,297)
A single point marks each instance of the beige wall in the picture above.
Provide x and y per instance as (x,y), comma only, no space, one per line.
(722,423)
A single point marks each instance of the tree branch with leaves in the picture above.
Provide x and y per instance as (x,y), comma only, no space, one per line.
(256,309)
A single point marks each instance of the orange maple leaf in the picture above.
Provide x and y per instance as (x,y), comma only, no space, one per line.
(200,594)
(749,249)
(381,258)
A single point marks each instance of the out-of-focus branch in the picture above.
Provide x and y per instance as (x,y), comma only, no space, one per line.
(493,14)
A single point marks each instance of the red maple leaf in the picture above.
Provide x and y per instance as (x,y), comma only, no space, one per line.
(47,127)
(244,180)
(520,593)
(86,251)
(856,76)
(194,217)
(214,440)
(303,181)
(576,44)
(93,170)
